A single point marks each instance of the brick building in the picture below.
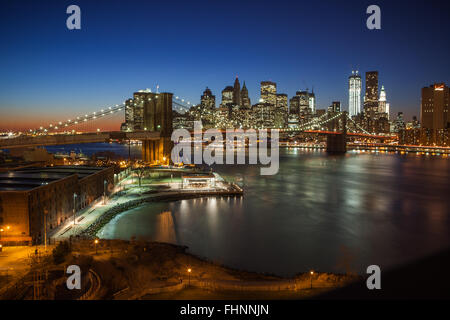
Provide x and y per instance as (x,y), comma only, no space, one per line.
(27,194)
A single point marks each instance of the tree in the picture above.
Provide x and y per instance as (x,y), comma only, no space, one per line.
(140,172)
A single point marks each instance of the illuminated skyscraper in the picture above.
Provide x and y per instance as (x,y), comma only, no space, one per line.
(208,100)
(304,101)
(281,111)
(435,107)
(371,96)
(227,96)
(354,94)
(383,106)
(237,92)
(282,101)
(129,115)
(269,92)
(335,107)
(245,100)
(312,102)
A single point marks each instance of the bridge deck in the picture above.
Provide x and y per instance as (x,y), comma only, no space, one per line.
(58,139)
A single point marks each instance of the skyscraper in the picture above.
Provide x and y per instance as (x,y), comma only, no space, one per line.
(227,96)
(237,92)
(434,107)
(282,101)
(335,107)
(140,99)
(281,111)
(294,105)
(399,123)
(245,100)
(208,100)
(304,101)
(354,94)
(129,115)
(269,92)
(371,95)
(312,102)
(383,106)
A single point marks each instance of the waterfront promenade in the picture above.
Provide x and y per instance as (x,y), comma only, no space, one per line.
(128,195)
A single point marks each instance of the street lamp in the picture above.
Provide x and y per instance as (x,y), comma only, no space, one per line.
(189,270)
(96,242)
(104,191)
(74,207)
(311,273)
(45,229)
(7,229)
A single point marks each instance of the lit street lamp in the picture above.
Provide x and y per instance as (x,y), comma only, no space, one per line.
(189,270)
(1,231)
(96,242)
(311,273)
(45,229)
(74,207)
(104,191)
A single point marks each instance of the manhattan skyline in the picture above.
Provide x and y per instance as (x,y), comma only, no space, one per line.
(50,73)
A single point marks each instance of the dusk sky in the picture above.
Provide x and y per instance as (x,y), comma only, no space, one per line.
(49,73)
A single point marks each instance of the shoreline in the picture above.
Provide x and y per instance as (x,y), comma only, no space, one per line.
(158,270)
(91,231)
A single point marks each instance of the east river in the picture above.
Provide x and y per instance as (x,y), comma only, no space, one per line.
(321,212)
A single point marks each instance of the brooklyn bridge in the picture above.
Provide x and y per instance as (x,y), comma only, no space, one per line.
(157,120)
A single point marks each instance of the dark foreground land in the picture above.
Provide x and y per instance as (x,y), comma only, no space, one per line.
(122,270)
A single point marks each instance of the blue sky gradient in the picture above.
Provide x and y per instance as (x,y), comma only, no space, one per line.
(50,73)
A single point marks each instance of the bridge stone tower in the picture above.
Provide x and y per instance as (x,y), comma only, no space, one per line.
(337,143)
(157,117)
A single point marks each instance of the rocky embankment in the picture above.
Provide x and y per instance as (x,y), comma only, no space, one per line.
(91,231)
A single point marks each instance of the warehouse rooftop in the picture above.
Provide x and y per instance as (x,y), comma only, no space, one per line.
(30,178)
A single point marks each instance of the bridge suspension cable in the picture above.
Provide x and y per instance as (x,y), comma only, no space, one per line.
(358,126)
(314,122)
(324,120)
(179,104)
(79,119)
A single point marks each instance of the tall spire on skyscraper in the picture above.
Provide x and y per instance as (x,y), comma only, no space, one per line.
(245,100)
(237,92)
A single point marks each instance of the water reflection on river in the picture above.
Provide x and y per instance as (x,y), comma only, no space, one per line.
(330,213)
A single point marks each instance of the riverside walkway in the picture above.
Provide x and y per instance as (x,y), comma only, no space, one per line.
(134,195)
